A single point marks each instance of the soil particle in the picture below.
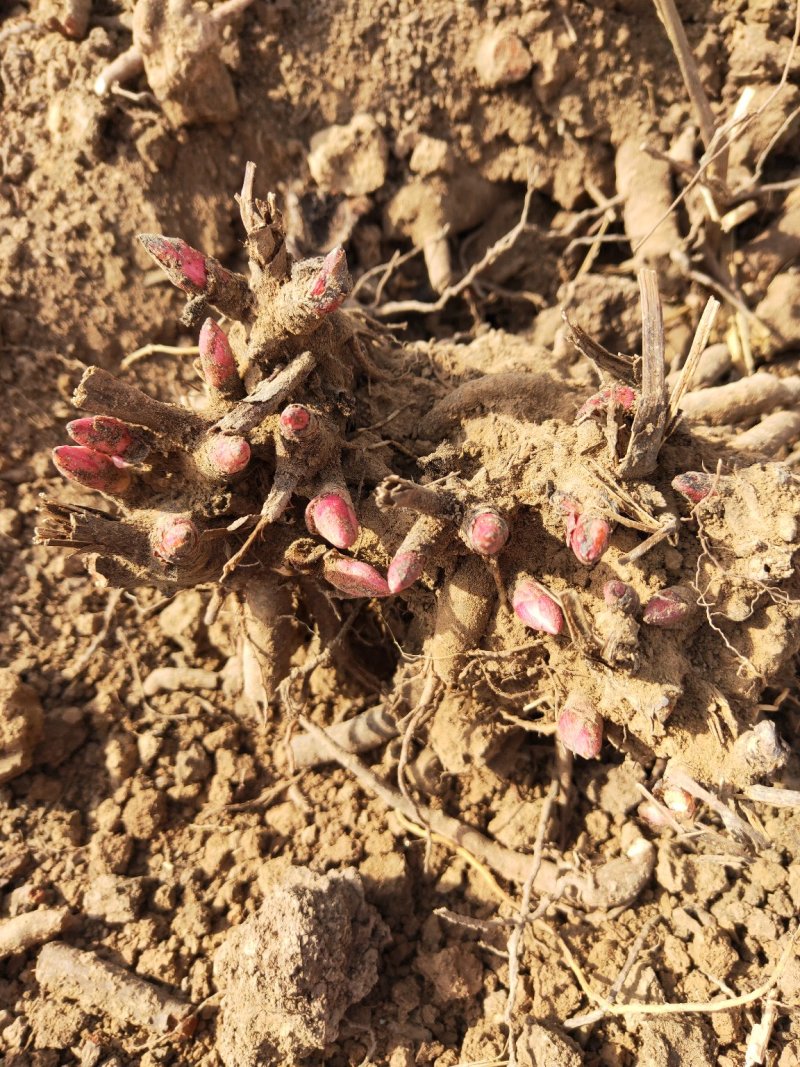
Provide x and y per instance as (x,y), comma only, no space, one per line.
(288,974)
(145,813)
(455,972)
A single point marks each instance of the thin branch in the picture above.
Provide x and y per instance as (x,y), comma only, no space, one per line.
(595,1016)
(515,938)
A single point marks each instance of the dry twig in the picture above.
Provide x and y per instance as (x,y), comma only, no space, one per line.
(688,1007)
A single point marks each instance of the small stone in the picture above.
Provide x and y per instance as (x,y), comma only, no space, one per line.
(502,59)
(110,852)
(114,899)
(122,758)
(288,975)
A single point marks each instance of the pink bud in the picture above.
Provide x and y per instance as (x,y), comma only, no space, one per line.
(332,284)
(296,422)
(183,265)
(485,531)
(174,539)
(227,455)
(90,468)
(354,577)
(622,396)
(108,435)
(681,803)
(217,362)
(669,608)
(331,515)
(404,570)
(580,726)
(651,813)
(536,608)
(694,485)
(588,538)
(622,596)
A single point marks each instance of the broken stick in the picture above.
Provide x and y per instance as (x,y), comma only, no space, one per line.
(100,986)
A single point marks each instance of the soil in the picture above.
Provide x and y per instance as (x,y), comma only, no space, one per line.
(148,814)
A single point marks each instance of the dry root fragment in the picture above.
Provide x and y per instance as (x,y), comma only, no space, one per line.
(771,434)
(31,928)
(104,988)
(359,734)
(742,400)
(178,679)
(645,185)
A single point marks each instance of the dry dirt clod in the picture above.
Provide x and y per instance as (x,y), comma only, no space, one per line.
(349,159)
(21,721)
(288,975)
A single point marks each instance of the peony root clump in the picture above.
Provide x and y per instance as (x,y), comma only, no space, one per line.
(502,535)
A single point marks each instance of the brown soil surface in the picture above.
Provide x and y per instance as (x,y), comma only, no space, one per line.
(151,815)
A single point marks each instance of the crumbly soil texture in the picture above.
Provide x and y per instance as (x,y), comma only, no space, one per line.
(459,441)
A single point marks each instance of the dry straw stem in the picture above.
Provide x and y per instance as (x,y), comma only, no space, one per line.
(464,853)
(773,795)
(698,347)
(687,1007)
(614,884)
(756,1050)
(724,138)
(650,421)
(668,13)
